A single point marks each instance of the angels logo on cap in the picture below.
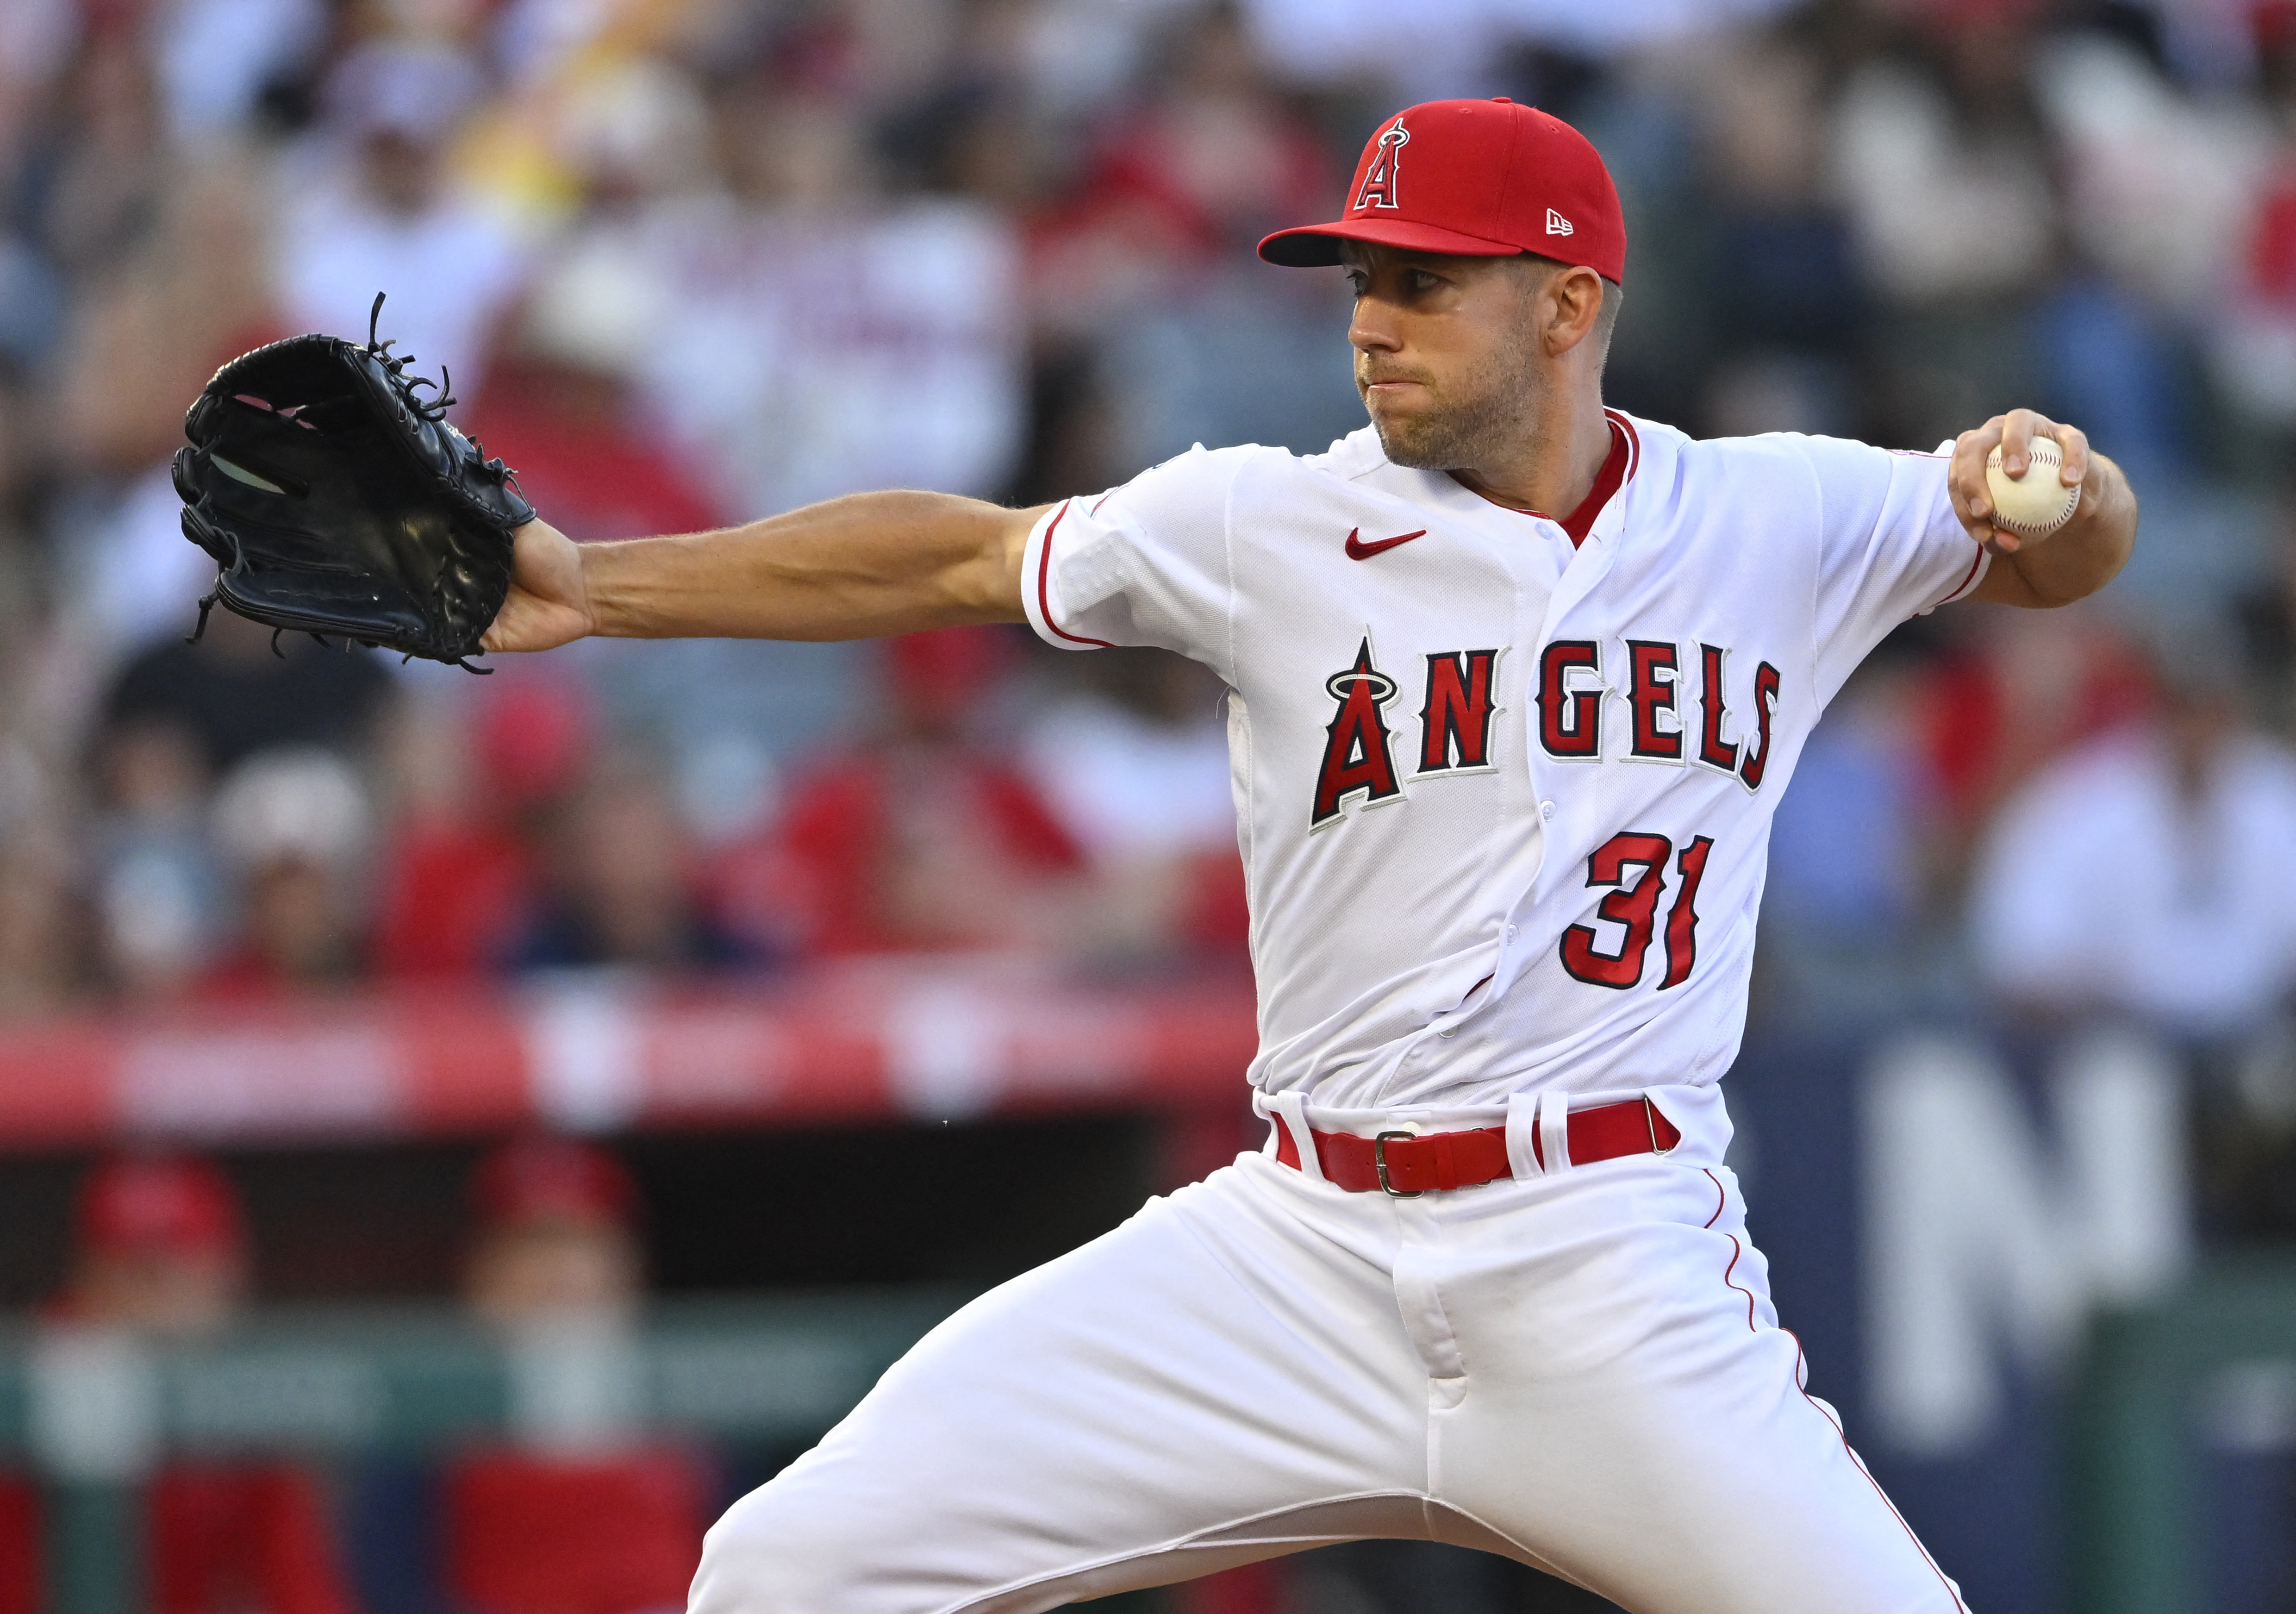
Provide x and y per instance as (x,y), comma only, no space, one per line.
(1378,188)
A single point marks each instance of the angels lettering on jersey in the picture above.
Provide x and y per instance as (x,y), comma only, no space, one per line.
(1620,717)
(1633,867)
(1662,722)
(1453,735)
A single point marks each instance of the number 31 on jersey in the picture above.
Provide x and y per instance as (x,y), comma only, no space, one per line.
(1634,866)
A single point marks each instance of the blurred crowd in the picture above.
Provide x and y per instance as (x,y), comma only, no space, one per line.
(688,262)
(573,1514)
(694,261)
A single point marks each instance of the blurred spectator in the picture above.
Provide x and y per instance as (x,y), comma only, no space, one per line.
(23,468)
(1849,847)
(294,827)
(158,895)
(230,695)
(369,209)
(1941,160)
(2266,612)
(2254,343)
(44,941)
(558,410)
(187,293)
(2158,184)
(618,885)
(555,1234)
(37,38)
(1783,304)
(569,408)
(1135,766)
(31,302)
(797,252)
(2002,693)
(580,1520)
(822,338)
(45,937)
(1150,333)
(1209,161)
(1940,163)
(110,157)
(2148,874)
(473,781)
(160,1247)
(220,59)
(920,837)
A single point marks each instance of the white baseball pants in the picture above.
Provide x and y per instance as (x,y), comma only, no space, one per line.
(1580,1369)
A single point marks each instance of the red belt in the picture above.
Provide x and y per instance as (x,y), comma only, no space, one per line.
(1404,1164)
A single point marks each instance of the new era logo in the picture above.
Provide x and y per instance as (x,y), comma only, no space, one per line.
(1556,224)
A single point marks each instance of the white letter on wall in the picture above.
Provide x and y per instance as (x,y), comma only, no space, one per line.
(1979,1236)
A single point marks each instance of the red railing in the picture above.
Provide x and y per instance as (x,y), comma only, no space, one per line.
(884,1039)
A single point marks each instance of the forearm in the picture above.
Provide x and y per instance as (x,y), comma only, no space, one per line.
(2085,554)
(856,567)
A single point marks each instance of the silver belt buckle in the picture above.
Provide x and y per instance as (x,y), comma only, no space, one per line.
(1379,1159)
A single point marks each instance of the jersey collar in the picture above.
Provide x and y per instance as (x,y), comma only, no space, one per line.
(1617,467)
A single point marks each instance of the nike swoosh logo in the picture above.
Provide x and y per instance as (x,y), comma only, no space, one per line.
(1359,550)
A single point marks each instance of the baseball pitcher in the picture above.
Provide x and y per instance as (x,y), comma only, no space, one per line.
(1516,681)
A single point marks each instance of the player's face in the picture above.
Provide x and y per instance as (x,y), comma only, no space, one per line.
(1443,354)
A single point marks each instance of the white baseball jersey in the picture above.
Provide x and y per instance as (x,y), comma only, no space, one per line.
(1504,785)
(1504,782)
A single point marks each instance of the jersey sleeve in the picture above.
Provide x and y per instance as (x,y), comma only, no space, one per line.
(1889,548)
(1143,563)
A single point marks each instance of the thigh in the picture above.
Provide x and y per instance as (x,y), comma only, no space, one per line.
(1633,1416)
(1196,1388)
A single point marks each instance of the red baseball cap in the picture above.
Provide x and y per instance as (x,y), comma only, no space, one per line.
(553,1180)
(170,1204)
(535,734)
(1481,179)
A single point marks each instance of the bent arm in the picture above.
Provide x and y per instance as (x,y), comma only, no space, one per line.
(2069,563)
(857,567)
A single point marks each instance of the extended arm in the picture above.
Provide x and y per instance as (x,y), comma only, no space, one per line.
(849,568)
(2076,560)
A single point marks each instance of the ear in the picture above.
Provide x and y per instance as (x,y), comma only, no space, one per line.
(1572,306)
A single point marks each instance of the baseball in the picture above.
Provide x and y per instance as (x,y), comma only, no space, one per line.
(2036,504)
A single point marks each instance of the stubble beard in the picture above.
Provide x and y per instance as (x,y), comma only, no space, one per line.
(1478,423)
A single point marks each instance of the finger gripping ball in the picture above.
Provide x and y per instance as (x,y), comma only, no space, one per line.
(2038,502)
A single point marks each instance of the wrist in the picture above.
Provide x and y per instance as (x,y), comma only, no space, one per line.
(603,588)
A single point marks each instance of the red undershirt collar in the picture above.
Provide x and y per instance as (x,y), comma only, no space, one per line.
(1606,482)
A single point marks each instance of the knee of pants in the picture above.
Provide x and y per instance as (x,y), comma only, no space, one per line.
(777,1551)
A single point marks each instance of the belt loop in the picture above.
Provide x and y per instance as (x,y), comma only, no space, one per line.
(1522,1135)
(1555,1131)
(1289,1110)
(1260,1107)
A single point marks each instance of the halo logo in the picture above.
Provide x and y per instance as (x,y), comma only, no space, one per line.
(1355,754)
(1378,179)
